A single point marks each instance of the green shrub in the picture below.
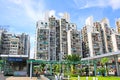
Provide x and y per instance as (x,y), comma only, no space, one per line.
(73,75)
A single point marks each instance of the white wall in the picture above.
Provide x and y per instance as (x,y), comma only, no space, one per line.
(114,42)
(90,44)
(69,42)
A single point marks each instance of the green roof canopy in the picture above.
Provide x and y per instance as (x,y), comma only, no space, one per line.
(61,62)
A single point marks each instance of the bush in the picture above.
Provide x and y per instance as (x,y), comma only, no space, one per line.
(74,75)
(81,71)
(101,70)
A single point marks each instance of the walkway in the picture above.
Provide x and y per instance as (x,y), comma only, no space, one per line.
(20,78)
(2,76)
(43,77)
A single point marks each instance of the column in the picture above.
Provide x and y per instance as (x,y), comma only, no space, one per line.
(117,65)
(94,68)
(50,68)
(31,69)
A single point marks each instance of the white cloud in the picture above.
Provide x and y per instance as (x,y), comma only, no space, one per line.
(56,15)
(33,9)
(52,13)
(60,14)
(115,4)
(16,1)
(81,4)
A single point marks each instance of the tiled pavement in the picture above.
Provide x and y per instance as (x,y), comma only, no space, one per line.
(43,77)
(2,77)
(20,78)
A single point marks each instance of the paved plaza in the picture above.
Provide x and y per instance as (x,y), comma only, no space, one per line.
(21,78)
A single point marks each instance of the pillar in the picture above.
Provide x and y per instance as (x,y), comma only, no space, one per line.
(117,65)
(94,68)
(50,68)
(31,69)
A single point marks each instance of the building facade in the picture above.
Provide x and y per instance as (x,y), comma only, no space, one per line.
(118,25)
(98,38)
(42,39)
(59,36)
(74,40)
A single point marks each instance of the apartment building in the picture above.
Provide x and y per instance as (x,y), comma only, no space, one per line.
(74,40)
(116,42)
(57,40)
(99,38)
(94,40)
(118,25)
(42,39)
(52,27)
(63,37)
(107,32)
(84,39)
(12,44)
(24,43)
(96,37)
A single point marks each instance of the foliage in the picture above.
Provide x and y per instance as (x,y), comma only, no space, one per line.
(104,61)
(73,75)
(101,70)
(81,71)
(1,62)
(56,67)
(39,68)
(73,57)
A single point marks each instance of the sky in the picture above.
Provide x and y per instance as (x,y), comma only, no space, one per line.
(22,15)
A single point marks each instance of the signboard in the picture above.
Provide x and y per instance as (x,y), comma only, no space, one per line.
(15,59)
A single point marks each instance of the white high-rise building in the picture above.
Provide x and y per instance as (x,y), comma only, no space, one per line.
(42,40)
(53,37)
(118,25)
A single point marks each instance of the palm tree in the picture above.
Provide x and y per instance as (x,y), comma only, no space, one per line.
(73,58)
(104,61)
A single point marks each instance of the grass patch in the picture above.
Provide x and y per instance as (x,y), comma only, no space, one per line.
(99,78)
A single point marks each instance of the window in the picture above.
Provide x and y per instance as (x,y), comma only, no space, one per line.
(45,23)
(42,23)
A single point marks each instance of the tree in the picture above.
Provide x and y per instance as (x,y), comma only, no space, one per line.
(104,61)
(1,64)
(72,59)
